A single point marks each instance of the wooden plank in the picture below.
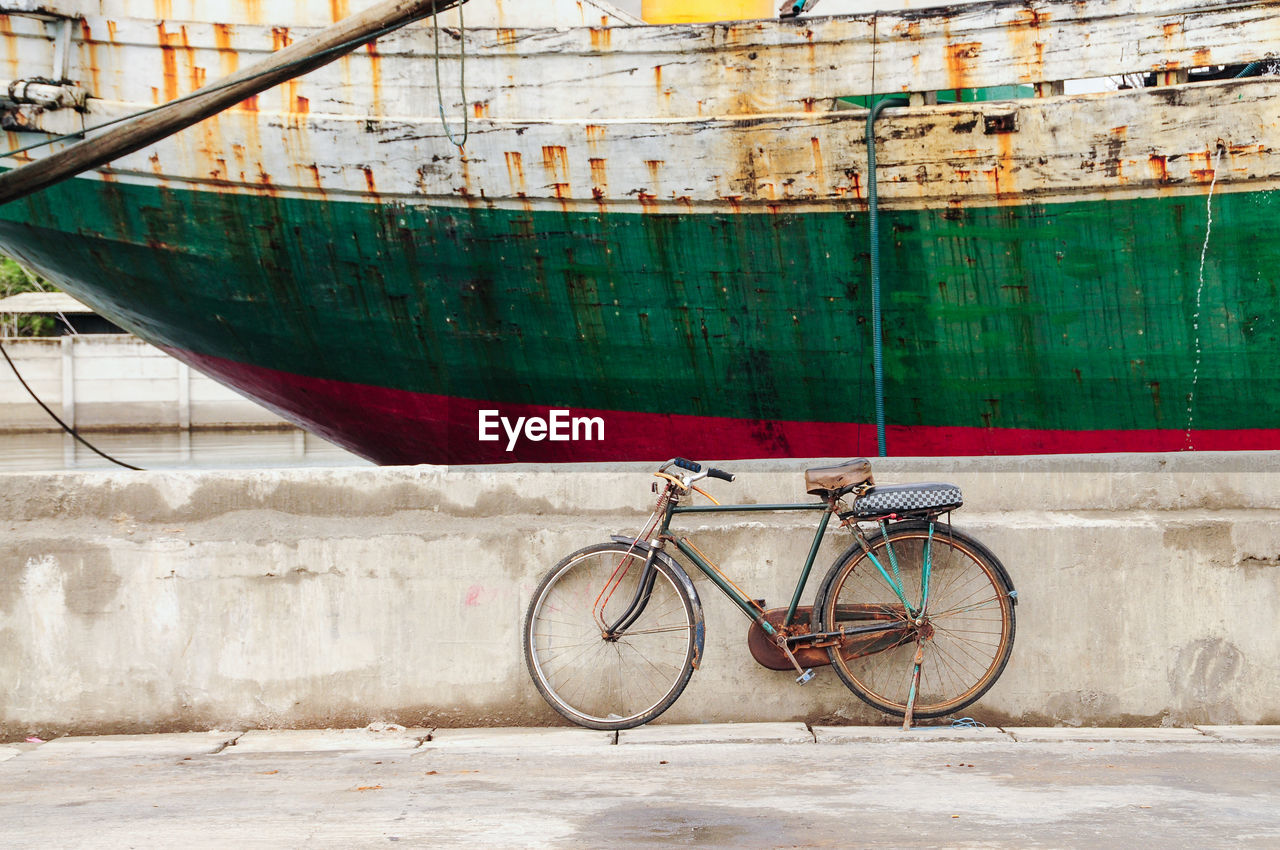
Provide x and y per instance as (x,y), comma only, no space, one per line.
(764,67)
(1151,141)
(646,72)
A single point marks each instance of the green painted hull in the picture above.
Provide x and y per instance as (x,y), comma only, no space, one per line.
(1056,321)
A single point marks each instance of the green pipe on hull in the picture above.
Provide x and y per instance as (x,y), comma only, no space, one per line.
(873,206)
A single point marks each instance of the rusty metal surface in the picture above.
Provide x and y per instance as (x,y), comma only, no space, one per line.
(767,654)
(739,116)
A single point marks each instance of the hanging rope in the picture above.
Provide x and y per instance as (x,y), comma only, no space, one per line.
(65,426)
(462,81)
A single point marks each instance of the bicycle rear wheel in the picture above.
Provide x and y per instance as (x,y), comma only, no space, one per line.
(965,634)
(602,681)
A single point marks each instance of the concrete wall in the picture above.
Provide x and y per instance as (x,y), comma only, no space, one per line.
(112,381)
(1149,586)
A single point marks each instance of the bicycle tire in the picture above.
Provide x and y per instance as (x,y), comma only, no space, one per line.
(967,633)
(597,682)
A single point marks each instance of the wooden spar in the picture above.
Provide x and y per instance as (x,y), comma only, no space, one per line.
(320,49)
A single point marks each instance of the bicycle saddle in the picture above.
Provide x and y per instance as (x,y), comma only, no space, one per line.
(822,480)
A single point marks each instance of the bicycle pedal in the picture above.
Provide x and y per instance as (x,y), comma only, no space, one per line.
(805,678)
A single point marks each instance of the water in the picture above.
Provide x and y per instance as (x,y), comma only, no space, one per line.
(50,452)
(1195,319)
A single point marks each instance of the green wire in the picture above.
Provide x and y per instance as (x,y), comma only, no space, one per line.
(462,81)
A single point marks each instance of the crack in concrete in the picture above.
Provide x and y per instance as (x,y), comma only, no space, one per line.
(229,743)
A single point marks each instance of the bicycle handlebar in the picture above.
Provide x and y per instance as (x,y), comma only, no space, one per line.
(696,469)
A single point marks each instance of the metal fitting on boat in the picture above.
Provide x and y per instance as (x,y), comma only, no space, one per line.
(38,91)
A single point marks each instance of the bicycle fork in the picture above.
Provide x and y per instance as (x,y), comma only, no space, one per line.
(644,591)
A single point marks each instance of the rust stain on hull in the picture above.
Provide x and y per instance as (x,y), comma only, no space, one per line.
(227,54)
(253,11)
(515,173)
(819,175)
(280,38)
(654,167)
(555,161)
(375,77)
(91,47)
(1028,41)
(170,59)
(960,60)
(1159,168)
(599,178)
(313,170)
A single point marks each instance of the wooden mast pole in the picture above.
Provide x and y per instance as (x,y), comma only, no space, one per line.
(293,61)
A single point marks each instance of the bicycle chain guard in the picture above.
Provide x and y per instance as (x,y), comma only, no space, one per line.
(767,654)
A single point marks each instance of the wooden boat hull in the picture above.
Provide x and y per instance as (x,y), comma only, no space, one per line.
(1060,274)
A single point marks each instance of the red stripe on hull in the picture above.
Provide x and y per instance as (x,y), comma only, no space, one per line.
(399,427)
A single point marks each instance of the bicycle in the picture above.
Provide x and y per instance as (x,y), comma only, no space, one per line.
(916,617)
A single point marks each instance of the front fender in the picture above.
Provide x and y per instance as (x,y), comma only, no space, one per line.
(686,583)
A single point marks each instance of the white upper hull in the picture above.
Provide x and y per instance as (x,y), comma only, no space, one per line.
(607,116)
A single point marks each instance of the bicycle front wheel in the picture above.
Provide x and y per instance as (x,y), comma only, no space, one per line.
(965,633)
(600,679)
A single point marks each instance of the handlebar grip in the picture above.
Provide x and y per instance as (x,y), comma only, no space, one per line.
(687,464)
(719,473)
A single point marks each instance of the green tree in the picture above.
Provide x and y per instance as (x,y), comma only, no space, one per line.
(14,279)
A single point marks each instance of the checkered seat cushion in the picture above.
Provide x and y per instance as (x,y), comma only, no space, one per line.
(905,500)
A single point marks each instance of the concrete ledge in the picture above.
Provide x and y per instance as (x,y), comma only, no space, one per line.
(519,738)
(894,734)
(1247,734)
(170,601)
(7,753)
(1180,735)
(325,740)
(718,733)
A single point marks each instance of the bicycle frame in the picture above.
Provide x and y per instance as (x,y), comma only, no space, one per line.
(753,611)
(719,580)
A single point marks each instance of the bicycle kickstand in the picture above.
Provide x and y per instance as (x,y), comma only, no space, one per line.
(915,687)
(806,676)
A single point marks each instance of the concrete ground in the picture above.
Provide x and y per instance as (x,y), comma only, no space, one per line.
(739,786)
